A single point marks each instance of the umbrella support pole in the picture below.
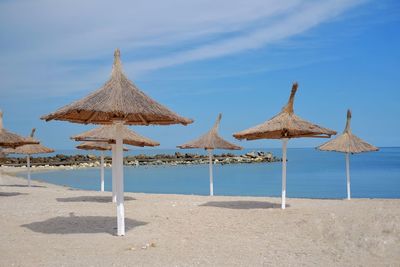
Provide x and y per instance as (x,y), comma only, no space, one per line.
(120,179)
(348,175)
(211,172)
(284,148)
(113,175)
(28,165)
(102,172)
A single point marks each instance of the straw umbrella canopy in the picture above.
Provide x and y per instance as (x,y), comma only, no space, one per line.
(118,102)
(9,139)
(285,125)
(29,150)
(210,141)
(101,146)
(117,99)
(106,133)
(347,143)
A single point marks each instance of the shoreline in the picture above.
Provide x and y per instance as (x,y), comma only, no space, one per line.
(51,225)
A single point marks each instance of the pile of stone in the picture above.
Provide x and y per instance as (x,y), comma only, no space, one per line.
(142,159)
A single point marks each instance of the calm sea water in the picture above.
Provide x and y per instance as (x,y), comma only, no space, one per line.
(310,174)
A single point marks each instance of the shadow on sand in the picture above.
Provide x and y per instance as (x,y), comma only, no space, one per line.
(98,199)
(10,194)
(81,225)
(22,185)
(243,205)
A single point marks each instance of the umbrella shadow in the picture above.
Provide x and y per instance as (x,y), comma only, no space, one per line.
(98,199)
(10,194)
(22,185)
(243,205)
(81,225)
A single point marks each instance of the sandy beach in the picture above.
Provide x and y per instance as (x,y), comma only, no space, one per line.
(49,225)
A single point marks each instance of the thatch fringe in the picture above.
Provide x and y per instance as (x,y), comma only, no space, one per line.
(106,133)
(102,146)
(12,140)
(29,149)
(285,124)
(211,140)
(118,99)
(347,142)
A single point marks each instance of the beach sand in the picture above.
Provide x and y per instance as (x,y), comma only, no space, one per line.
(49,225)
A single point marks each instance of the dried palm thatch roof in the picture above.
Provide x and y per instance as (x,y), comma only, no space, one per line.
(9,139)
(106,133)
(347,142)
(286,124)
(29,149)
(211,140)
(118,99)
(89,145)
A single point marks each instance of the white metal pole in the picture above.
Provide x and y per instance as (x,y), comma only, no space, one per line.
(28,164)
(284,147)
(102,172)
(120,179)
(211,172)
(113,175)
(348,174)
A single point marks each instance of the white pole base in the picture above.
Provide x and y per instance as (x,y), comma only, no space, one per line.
(284,148)
(283,206)
(121,219)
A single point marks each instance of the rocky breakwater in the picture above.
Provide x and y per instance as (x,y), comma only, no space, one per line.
(189,158)
(159,159)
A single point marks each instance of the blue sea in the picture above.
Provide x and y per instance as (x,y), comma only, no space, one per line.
(310,174)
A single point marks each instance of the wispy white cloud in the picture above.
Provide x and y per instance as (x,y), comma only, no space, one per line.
(300,20)
(40,36)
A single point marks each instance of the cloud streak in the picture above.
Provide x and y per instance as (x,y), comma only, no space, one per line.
(43,38)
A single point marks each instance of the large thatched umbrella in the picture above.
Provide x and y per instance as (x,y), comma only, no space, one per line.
(285,125)
(9,139)
(118,102)
(210,141)
(347,143)
(100,146)
(29,150)
(106,134)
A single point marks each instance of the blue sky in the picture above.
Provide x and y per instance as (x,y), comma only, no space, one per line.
(205,57)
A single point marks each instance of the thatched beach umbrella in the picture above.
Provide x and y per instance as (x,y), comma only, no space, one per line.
(9,139)
(285,125)
(347,143)
(106,133)
(100,146)
(29,150)
(210,141)
(118,102)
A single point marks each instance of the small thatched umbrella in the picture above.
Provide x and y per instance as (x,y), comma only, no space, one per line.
(210,141)
(347,143)
(9,139)
(285,125)
(101,146)
(106,134)
(29,150)
(118,102)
